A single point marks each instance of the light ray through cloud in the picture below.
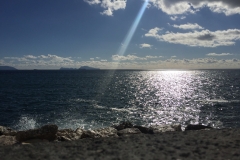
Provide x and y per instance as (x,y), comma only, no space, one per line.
(125,44)
(132,30)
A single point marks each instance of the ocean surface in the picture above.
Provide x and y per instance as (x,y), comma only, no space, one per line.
(95,99)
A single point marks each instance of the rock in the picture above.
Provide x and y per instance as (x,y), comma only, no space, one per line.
(7,131)
(79,131)
(196,127)
(170,128)
(103,132)
(128,131)
(144,129)
(63,138)
(177,127)
(69,135)
(107,132)
(123,125)
(47,132)
(7,140)
(90,134)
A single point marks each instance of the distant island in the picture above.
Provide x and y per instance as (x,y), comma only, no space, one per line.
(7,68)
(81,68)
(62,68)
(88,68)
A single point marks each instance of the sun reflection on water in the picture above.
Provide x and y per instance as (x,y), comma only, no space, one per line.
(166,97)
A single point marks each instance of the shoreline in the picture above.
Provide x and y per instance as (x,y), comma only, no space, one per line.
(204,144)
(132,144)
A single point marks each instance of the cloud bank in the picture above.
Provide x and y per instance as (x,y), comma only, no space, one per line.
(132,57)
(175,7)
(121,62)
(204,38)
(221,54)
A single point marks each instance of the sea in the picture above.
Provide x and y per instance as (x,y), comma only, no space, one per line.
(93,99)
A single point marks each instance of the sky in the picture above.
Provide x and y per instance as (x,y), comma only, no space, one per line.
(120,34)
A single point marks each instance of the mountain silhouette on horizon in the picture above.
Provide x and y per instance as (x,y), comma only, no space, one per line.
(7,68)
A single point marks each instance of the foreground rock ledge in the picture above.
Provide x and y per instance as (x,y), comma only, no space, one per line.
(188,145)
(51,133)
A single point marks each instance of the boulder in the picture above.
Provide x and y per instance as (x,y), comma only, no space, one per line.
(7,131)
(102,132)
(69,134)
(128,131)
(90,134)
(7,140)
(145,130)
(196,127)
(107,132)
(47,132)
(165,128)
(79,131)
(123,125)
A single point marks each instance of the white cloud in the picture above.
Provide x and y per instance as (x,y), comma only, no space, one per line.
(200,63)
(183,17)
(92,59)
(144,45)
(126,58)
(174,18)
(92,1)
(107,12)
(191,26)
(153,32)
(153,57)
(38,61)
(133,58)
(55,58)
(222,54)
(204,38)
(2,62)
(109,5)
(30,56)
(174,7)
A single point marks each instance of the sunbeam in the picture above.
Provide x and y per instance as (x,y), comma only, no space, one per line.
(132,30)
(125,44)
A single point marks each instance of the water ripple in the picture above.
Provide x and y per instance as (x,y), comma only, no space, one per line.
(101,98)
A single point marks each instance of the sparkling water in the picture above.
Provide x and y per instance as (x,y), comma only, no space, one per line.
(94,99)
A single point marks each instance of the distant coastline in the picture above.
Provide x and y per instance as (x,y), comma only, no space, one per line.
(62,68)
(81,68)
(2,68)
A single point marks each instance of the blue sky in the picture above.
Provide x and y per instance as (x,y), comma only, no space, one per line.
(124,34)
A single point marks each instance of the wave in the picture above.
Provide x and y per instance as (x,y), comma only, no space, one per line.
(25,123)
(121,110)
(218,101)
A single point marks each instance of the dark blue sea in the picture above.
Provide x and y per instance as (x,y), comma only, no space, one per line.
(95,99)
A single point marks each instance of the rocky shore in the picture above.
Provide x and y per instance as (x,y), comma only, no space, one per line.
(123,141)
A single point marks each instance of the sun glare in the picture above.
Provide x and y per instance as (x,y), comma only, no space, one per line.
(174,80)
